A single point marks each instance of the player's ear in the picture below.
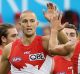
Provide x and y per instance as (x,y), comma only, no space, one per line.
(19,23)
(37,22)
(4,39)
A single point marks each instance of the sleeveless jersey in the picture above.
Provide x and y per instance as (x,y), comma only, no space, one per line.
(76,59)
(32,59)
(62,66)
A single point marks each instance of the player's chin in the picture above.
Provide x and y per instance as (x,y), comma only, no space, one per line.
(29,34)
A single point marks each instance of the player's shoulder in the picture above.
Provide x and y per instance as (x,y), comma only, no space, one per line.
(6,50)
(8,47)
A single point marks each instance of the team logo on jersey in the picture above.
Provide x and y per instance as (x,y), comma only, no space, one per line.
(16,59)
(37,56)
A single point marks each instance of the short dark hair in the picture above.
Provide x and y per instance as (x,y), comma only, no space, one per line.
(4,30)
(71,26)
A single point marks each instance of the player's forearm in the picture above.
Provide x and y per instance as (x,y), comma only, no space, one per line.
(4,68)
(54,48)
(53,39)
(62,37)
(59,50)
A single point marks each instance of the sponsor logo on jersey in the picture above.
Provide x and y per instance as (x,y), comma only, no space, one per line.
(27,52)
(16,59)
(61,73)
(37,56)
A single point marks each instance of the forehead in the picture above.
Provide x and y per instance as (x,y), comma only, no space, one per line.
(28,15)
(68,30)
(12,31)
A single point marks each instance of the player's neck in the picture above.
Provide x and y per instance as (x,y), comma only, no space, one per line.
(1,47)
(28,40)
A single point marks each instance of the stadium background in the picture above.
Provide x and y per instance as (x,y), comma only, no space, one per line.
(8,9)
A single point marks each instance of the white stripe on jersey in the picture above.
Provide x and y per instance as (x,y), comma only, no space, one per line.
(30,69)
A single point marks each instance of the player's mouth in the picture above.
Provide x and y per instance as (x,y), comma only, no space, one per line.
(29,29)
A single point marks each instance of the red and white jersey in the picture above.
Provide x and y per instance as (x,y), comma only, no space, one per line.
(61,65)
(32,59)
(76,59)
